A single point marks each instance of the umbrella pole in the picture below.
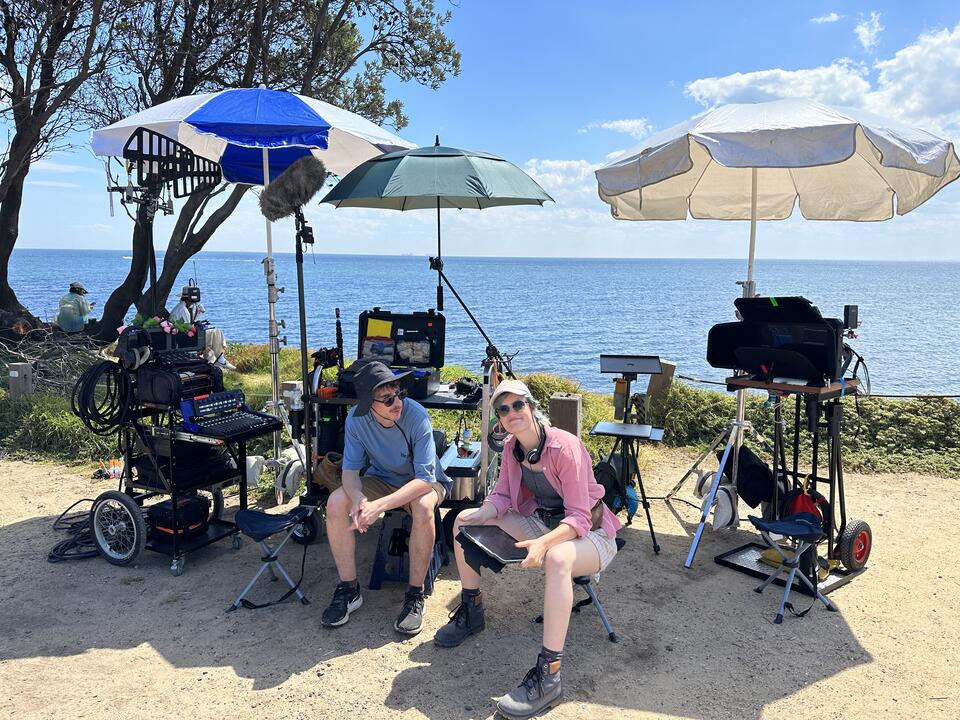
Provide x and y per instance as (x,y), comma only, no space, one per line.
(440,261)
(269,271)
(749,290)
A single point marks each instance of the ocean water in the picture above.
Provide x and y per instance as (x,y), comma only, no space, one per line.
(557,314)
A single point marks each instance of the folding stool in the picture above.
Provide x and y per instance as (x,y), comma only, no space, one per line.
(806,531)
(259,526)
(586,582)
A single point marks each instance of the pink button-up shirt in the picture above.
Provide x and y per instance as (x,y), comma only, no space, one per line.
(567,465)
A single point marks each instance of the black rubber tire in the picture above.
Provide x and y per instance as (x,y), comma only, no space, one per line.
(309,531)
(448,521)
(855,544)
(117,527)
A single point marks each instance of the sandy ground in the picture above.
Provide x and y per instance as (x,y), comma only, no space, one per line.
(88,640)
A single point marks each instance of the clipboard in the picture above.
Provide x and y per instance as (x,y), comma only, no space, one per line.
(495,542)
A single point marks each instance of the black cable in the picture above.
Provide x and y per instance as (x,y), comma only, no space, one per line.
(103,416)
(80,544)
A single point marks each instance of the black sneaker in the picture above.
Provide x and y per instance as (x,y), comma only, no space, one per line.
(346,599)
(465,621)
(410,619)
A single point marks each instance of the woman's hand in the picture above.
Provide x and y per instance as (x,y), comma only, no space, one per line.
(536,552)
(477,516)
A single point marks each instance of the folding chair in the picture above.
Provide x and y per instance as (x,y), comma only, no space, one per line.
(586,582)
(259,526)
(391,561)
(806,531)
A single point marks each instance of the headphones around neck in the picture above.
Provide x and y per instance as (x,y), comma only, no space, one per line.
(532,457)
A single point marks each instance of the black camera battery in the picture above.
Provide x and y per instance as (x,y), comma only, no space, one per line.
(193,516)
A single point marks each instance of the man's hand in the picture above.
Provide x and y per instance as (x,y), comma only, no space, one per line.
(536,551)
(477,516)
(368,514)
(355,511)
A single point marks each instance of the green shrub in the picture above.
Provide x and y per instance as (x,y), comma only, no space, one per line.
(880,435)
(42,426)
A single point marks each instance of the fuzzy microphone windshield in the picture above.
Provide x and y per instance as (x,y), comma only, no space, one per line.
(293,189)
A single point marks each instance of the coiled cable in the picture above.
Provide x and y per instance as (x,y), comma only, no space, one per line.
(102,397)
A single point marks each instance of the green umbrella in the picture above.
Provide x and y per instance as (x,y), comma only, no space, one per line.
(436,177)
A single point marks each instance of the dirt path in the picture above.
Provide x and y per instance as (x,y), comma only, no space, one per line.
(89,640)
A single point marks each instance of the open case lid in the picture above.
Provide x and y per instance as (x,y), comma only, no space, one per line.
(778,309)
(408,339)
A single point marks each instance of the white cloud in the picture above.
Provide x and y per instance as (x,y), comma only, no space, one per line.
(638,128)
(868,31)
(842,83)
(919,85)
(828,18)
(52,184)
(52,166)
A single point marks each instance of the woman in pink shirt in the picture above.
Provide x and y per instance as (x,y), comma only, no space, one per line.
(547,498)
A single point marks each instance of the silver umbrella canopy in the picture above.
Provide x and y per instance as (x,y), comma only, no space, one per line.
(758,161)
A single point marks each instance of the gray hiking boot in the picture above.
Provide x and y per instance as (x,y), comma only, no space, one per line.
(465,621)
(540,690)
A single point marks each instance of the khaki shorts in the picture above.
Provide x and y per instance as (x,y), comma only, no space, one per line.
(329,475)
(606,547)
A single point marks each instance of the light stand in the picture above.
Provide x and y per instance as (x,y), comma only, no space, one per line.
(492,352)
(304,237)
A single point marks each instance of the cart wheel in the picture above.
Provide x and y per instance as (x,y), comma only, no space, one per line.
(118,529)
(308,532)
(236,541)
(855,544)
(176,567)
(448,521)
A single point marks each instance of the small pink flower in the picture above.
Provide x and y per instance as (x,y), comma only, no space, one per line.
(190,333)
(121,329)
(173,331)
(157,318)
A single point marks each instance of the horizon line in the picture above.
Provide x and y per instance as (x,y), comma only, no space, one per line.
(515,257)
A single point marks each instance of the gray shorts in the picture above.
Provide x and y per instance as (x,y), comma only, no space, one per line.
(606,546)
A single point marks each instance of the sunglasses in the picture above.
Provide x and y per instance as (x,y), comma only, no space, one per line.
(516,405)
(388,400)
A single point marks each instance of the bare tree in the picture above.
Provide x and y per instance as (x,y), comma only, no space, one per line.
(315,47)
(48,50)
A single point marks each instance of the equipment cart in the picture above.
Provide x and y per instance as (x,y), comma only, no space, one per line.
(192,468)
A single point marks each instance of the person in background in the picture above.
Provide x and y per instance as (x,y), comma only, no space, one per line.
(74,311)
(187,311)
(389,461)
(547,498)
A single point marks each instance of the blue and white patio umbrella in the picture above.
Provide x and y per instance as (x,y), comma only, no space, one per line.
(235,127)
(255,134)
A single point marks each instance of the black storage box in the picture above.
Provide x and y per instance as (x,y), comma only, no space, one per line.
(162,341)
(404,341)
(193,464)
(786,337)
(168,385)
(193,516)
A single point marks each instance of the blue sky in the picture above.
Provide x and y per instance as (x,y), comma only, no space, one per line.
(558,87)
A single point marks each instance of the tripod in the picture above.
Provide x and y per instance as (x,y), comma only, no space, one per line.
(628,434)
(730,438)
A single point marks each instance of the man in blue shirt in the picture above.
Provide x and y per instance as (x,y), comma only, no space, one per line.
(389,461)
